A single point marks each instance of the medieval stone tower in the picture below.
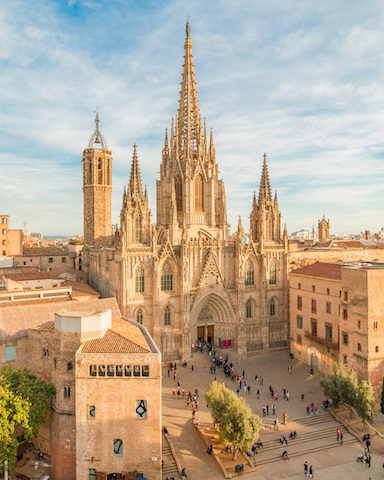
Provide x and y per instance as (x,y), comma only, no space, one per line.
(97,188)
(324,230)
(185,278)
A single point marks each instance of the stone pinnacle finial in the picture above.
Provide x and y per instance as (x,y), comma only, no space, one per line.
(97,136)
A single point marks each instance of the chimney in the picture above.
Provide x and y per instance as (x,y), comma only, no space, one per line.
(367,235)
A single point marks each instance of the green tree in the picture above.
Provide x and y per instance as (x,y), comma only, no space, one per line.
(237,424)
(14,412)
(344,386)
(28,401)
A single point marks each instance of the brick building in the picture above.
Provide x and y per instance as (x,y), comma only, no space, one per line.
(10,240)
(336,314)
(45,258)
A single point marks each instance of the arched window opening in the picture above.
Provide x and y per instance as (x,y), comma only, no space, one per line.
(139,316)
(99,173)
(139,279)
(138,224)
(199,193)
(166,277)
(249,272)
(109,172)
(70,367)
(167,315)
(249,309)
(179,193)
(272,308)
(272,272)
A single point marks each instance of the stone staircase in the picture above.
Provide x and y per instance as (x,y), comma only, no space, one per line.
(314,434)
(169,466)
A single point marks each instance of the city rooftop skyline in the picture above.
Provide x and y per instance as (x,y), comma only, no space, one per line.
(301,82)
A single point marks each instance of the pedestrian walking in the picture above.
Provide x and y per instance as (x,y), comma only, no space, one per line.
(312,408)
(285,418)
(267,406)
(307,408)
(276,396)
(261,381)
(311,472)
(183,473)
(238,392)
(338,434)
(245,386)
(302,397)
(285,392)
(243,373)
(316,410)
(178,383)
(249,389)
(174,375)
(341,438)
(168,372)
(256,377)
(258,394)
(273,409)
(264,410)
(192,367)
(276,424)
(368,443)
(305,469)
(287,396)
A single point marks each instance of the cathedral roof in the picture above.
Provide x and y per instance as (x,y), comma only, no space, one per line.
(322,270)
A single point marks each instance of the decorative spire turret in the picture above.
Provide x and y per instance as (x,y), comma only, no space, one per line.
(97,139)
(265,187)
(135,187)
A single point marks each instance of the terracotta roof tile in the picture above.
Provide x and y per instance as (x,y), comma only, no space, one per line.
(113,342)
(43,252)
(72,271)
(323,270)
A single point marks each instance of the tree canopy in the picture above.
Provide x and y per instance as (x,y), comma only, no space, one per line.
(344,386)
(234,417)
(24,404)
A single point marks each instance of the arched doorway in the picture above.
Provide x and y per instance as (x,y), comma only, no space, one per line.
(212,320)
(115,476)
(314,361)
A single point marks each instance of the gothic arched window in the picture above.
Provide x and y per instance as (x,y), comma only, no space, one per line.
(199,193)
(139,316)
(167,315)
(138,228)
(272,308)
(139,279)
(179,192)
(166,277)
(249,272)
(272,272)
(99,173)
(249,309)
(109,172)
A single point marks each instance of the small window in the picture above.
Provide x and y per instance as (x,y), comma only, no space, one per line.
(136,370)
(299,286)
(117,447)
(328,350)
(328,332)
(359,347)
(141,409)
(272,272)
(314,327)
(345,296)
(313,306)
(272,308)
(4,232)
(375,325)
(249,309)
(139,316)
(54,363)
(93,370)
(69,366)
(119,370)
(4,220)
(345,338)
(328,307)
(127,370)
(92,411)
(92,474)
(67,392)
(299,340)
(377,349)
(101,370)
(345,359)
(299,303)
(328,291)
(167,315)
(345,314)
(313,288)
(50,260)
(359,324)
(145,371)
(139,279)
(249,273)
(110,370)
(63,260)
(4,253)
(166,278)
(299,322)
(339,293)
(45,353)
(10,353)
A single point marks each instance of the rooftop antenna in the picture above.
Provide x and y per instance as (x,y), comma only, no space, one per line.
(25,225)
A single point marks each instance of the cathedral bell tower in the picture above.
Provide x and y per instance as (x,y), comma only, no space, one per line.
(97,188)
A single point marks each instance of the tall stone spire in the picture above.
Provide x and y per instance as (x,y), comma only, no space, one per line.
(265,187)
(189,114)
(135,187)
(97,140)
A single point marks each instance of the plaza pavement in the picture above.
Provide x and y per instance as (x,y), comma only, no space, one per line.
(334,463)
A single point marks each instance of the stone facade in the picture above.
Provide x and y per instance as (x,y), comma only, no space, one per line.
(184,278)
(346,324)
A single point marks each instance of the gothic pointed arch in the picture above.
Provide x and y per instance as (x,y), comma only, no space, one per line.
(179,192)
(100,172)
(138,227)
(273,307)
(167,315)
(272,272)
(166,277)
(199,193)
(139,279)
(249,272)
(249,309)
(139,316)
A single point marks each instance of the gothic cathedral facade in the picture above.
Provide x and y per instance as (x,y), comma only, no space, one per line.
(185,278)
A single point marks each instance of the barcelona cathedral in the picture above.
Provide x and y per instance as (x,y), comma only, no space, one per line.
(185,278)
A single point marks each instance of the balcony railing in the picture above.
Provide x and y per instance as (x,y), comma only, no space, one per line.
(321,340)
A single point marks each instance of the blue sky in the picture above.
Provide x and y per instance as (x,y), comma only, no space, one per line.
(301,81)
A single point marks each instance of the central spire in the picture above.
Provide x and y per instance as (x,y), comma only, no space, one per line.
(189,114)
(265,187)
(135,186)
